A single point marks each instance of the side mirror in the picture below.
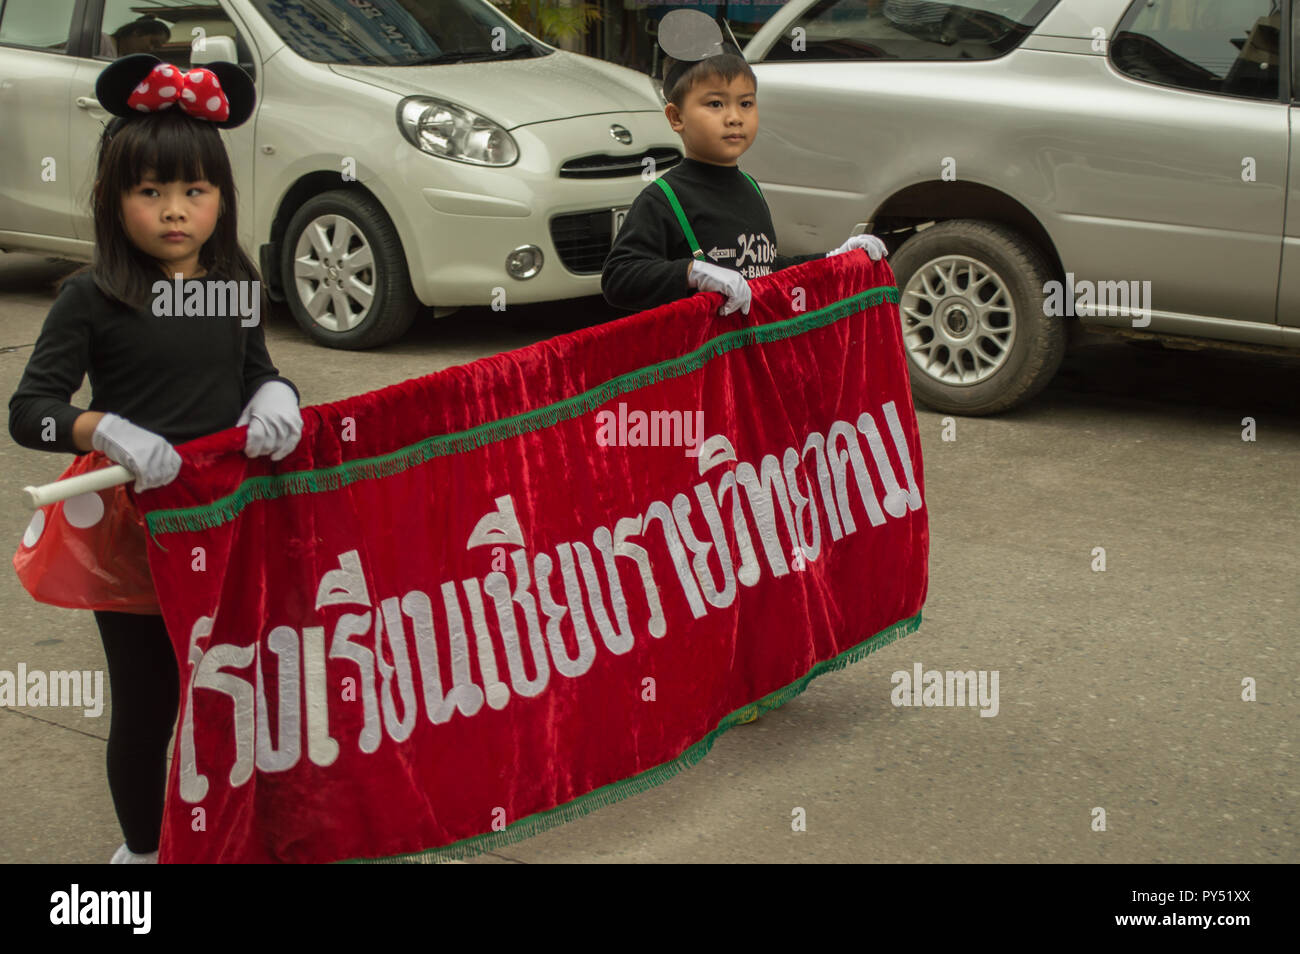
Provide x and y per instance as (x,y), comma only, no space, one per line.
(215,49)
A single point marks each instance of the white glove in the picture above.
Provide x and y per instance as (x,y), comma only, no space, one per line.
(875,248)
(154,462)
(727,281)
(274,421)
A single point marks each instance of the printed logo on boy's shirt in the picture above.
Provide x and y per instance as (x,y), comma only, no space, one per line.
(757,252)
(755,256)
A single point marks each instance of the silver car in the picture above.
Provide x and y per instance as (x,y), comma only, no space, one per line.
(1127,163)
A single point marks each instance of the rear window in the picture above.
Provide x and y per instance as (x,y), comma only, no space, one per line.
(909,30)
(1230,47)
(396,32)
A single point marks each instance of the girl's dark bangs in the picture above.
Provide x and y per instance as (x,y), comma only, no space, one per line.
(174,153)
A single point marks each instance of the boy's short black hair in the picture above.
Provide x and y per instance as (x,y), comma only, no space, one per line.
(726,65)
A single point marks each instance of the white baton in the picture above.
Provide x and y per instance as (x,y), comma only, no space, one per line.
(81,484)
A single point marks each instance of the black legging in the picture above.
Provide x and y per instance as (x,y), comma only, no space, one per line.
(145,689)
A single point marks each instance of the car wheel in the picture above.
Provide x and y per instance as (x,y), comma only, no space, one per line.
(977,336)
(344,273)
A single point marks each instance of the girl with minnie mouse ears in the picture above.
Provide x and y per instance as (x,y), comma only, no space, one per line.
(164,205)
(155,136)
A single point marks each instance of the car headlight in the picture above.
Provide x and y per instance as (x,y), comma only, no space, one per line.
(444,129)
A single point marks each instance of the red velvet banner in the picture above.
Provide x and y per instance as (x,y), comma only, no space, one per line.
(475,604)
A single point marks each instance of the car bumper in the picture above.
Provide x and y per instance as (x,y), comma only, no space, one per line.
(458,223)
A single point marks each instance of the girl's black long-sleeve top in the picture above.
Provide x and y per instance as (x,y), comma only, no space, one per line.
(647,262)
(180,377)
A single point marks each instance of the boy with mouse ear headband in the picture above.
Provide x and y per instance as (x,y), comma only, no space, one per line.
(704,224)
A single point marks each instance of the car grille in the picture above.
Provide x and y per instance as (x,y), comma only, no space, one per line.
(583,239)
(605,166)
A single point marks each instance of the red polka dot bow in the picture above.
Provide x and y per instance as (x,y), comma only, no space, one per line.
(198,92)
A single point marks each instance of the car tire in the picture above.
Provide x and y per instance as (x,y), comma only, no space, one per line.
(975,330)
(355,238)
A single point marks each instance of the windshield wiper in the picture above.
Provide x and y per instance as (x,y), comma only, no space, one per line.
(523,49)
(479,56)
(441,58)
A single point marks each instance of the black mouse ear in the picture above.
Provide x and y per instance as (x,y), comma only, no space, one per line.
(240,92)
(120,78)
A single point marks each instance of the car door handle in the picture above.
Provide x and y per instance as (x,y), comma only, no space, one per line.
(88,102)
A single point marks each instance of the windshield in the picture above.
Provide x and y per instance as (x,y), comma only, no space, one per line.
(911,29)
(396,32)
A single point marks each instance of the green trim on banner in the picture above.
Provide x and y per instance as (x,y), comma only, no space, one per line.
(323,479)
(617,791)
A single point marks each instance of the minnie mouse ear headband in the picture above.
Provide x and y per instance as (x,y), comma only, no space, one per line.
(220,93)
(689,36)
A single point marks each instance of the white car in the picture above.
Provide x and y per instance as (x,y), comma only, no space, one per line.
(402,152)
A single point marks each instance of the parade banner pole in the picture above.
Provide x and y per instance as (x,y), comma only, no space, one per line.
(46,494)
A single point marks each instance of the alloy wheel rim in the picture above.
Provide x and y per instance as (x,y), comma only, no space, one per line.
(959,320)
(334,273)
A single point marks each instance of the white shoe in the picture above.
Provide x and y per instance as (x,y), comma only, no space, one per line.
(125,856)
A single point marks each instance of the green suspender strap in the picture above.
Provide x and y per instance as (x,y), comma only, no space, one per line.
(758,190)
(691,240)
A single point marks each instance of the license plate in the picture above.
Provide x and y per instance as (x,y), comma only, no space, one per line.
(616,220)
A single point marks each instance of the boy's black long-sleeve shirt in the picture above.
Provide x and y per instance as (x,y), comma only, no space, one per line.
(180,377)
(647,263)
